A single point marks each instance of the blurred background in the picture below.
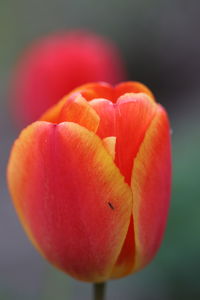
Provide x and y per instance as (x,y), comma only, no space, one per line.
(159,41)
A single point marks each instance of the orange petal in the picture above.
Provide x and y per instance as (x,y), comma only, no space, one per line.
(132,87)
(94,90)
(74,109)
(88,91)
(70,197)
(150,183)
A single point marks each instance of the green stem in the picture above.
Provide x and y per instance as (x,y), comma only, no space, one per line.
(99,291)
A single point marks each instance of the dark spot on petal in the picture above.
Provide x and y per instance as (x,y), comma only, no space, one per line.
(111,206)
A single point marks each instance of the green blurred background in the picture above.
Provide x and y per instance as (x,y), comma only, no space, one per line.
(160,43)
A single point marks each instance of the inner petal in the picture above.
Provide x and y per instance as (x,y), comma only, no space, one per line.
(74,109)
(125,261)
(132,87)
(110,143)
(106,111)
(133,113)
(95,90)
(127,120)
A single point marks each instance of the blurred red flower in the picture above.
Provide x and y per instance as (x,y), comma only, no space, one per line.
(56,64)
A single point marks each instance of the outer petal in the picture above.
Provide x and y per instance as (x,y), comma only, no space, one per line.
(150,183)
(70,197)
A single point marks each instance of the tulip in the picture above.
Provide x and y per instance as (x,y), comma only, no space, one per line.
(90,180)
(58,63)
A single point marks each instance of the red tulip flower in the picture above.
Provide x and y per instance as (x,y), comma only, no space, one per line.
(58,63)
(91,179)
